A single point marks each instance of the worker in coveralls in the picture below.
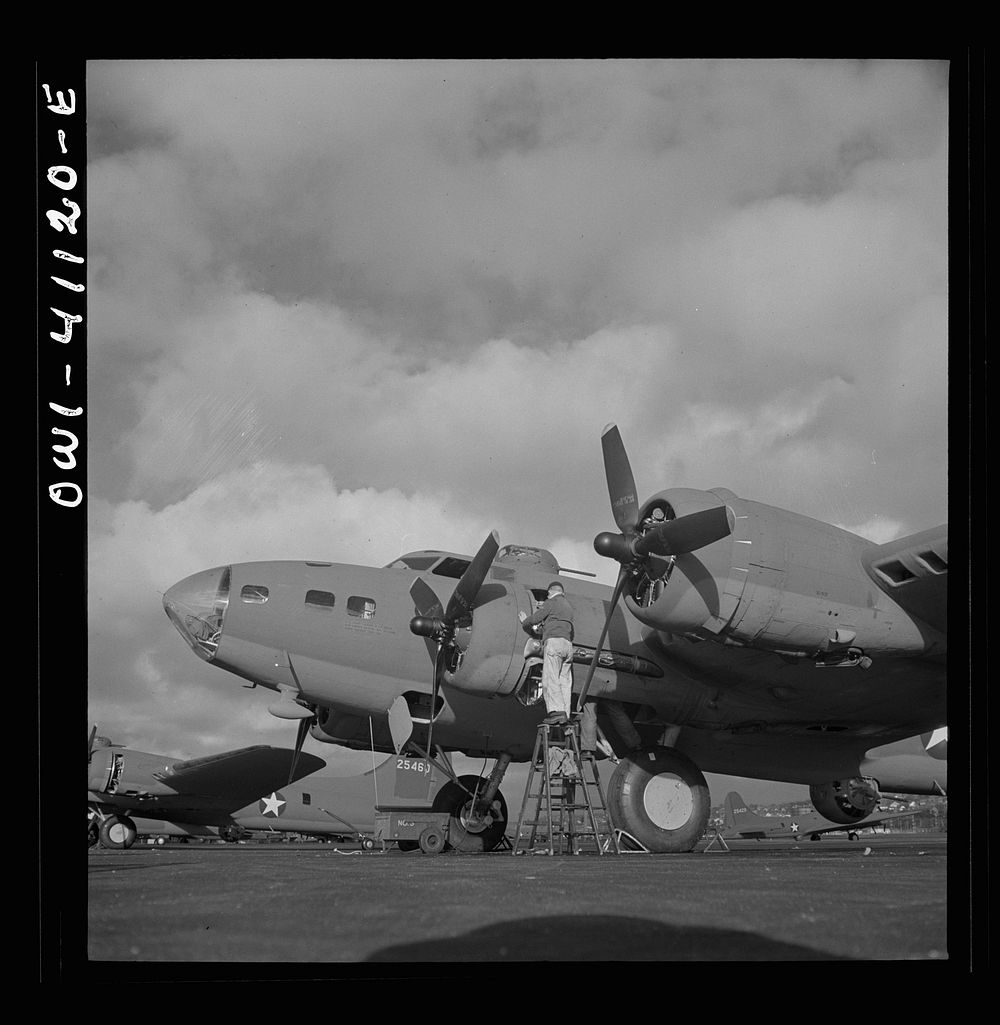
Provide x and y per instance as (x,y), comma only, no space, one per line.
(555,616)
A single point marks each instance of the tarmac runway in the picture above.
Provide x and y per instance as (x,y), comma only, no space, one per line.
(877,898)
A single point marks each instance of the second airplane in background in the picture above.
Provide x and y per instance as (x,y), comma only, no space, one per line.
(229,795)
(742,824)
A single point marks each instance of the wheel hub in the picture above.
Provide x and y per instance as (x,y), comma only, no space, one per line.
(668,801)
(118,833)
(472,822)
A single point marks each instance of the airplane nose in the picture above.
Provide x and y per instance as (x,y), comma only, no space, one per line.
(197,608)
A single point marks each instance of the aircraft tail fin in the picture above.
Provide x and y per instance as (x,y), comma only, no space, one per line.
(736,809)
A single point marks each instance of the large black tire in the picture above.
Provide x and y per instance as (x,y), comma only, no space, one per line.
(465,835)
(660,796)
(407,845)
(117,832)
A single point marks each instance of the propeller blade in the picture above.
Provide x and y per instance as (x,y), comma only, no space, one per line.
(460,603)
(686,533)
(435,684)
(425,600)
(400,723)
(300,738)
(430,620)
(90,744)
(623,575)
(621,483)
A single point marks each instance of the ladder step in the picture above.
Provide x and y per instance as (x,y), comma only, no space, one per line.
(553,792)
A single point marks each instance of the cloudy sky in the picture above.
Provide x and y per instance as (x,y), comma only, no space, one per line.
(341,310)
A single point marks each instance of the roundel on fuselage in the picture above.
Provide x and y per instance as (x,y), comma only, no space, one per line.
(272,805)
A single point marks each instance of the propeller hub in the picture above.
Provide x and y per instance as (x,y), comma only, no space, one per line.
(613,546)
(425,626)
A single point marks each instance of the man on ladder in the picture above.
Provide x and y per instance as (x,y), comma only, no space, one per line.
(555,616)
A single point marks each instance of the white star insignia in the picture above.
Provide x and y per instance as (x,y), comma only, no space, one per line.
(795,827)
(272,805)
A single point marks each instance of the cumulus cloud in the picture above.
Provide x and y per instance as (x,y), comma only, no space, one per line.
(342,309)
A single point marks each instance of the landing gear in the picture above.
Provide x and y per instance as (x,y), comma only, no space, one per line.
(117,832)
(468,831)
(431,840)
(852,835)
(660,796)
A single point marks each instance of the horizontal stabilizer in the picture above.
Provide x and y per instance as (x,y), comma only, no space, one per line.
(913,571)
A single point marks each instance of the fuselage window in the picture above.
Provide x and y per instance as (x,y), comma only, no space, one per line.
(254,594)
(363,607)
(320,599)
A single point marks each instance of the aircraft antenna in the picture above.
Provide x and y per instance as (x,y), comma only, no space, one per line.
(371,735)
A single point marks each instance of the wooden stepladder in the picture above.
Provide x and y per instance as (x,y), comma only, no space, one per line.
(560,794)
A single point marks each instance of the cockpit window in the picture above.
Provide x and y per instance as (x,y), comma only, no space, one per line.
(363,607)
(451,567)
(417,562)
(320,599)
(420,561)
(254,594)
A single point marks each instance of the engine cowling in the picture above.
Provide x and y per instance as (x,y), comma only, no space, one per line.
(482,659)
(845,800)
(105,770)
(779,582)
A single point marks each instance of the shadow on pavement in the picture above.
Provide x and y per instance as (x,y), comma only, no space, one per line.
(600,938)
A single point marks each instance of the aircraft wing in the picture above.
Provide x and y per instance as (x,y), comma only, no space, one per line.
(871,820)
(913,571)
(248,772)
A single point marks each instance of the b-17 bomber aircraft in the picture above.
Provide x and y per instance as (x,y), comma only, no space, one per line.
(740,823)
(739,638)
(229,795)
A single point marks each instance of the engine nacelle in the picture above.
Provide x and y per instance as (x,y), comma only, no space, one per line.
(482,659)
(845,800)
(105,770)
(780,582)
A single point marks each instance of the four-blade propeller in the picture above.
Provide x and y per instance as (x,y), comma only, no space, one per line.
(671,537)
(440,626)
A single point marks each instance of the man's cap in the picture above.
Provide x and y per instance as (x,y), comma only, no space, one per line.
(557,583)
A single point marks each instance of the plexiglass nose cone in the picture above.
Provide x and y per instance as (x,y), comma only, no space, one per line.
(197,607)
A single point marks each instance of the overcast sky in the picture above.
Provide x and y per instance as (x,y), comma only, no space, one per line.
(340,310)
